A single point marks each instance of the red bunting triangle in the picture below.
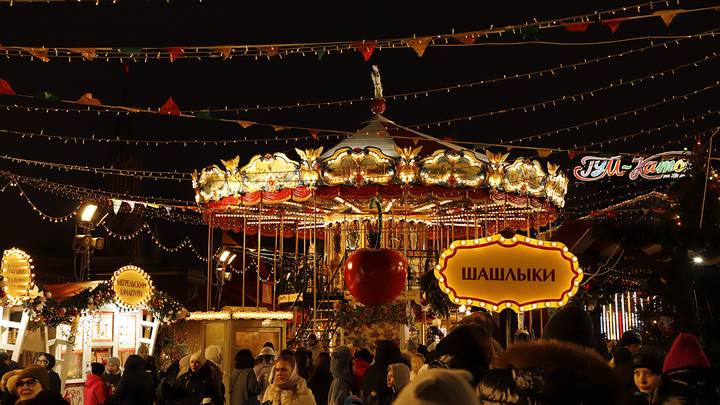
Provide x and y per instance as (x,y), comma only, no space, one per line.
(170,107)
(418,44)
(88,99)
(613,24)
(572,154)
(6,89)
(466,38)
(175,53)
(366,50)
(246,124)
(577,27)
(314,133)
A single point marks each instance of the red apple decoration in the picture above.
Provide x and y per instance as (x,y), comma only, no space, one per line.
(377,106)
(375,276)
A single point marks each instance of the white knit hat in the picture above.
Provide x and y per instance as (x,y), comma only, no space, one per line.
(438,386)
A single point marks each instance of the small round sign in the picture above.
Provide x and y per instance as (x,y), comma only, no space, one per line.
(132,286)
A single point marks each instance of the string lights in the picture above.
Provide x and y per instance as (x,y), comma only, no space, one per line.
(185,244)
(320,49)
(64,218)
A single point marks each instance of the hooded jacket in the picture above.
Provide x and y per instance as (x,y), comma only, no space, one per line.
(95,392)
(340,368)
(401,376)
(439,387)
(244,387)
(548,373)
(375,389)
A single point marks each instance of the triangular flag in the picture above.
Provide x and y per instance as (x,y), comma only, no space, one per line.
(170,107)
(314,133)
(116,206)
(366,50)
(175,53)
(668,15)
(246,124)
(577,27)
(6,89)
(46,95)
(279,128)
(40,53)
(131,204)
(226,52)
(88,99)
(571,154)
(467,38)
(320,54)
(543,153)
(418,44)
(613,24)
(87,53)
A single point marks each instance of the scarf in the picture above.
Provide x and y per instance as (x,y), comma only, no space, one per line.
(291,382)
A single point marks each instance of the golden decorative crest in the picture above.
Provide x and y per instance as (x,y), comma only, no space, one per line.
(525,177)
(453,169)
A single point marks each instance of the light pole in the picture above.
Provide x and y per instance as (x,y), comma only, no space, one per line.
(226,257)
(83,242)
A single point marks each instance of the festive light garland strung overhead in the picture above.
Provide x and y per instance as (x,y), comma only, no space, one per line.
(588,206)
(577,23)
(185,244)
(443,90)
(64,218)
(144,174)
(574,97)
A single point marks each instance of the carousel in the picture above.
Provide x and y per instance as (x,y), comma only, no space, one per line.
(381,205)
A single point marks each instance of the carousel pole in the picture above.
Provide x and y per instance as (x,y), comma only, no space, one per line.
(243,258)
(208,302)
(314,283)
(274,278)
(258,262)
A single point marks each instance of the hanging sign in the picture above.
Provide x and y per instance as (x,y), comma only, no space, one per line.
(519,273)
(665,165)
(132,287)
(17,275)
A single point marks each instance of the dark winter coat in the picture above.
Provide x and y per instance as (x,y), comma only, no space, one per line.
(244,387)
(375,389)
(135,388)
(45,397)
(549,373)
(320,382)
(190,388)
(691,386)
(360,367)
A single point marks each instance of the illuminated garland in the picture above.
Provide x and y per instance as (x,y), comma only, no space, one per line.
(43,215)
(364,47)
(186,242)
(351,317)
(546,103)
(46,311)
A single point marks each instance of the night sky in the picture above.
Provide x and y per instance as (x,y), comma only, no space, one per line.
(195,84)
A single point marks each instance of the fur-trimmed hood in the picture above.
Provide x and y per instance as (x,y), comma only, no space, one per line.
(549,372)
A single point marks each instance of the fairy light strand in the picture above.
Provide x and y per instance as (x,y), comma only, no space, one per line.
(186,243)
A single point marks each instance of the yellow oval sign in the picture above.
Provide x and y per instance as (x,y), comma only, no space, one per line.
(17,273)
(132,286)
(519,273)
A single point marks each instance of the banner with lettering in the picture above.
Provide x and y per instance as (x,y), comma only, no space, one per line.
(132,286)
(519,273)
(664,165)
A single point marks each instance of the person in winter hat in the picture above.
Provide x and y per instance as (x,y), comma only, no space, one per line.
(47,360)
(213,354)
(31,381)
(375,389)
(135,386)
(468,347)
(549,372)
(631,339)
(112,375)
(361,362)
(287,387)
(197,384)
(439,387)
(647,368)
(95,392)
(686,377)
(340,368)
(570,324)
(8,396)
(398,376)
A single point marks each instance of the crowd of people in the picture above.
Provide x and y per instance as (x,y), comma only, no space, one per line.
(468,366)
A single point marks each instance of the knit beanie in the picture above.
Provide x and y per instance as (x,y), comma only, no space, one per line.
(630,337)
(648,358)
(198,356)
(686,351)
(571,324)
(438,386)
(97,369)
(113,361)
(214,354)
(38,373)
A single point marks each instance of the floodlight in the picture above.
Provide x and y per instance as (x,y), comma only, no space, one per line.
(88,212)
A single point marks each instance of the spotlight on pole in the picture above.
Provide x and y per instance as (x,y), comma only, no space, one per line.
(88,212)
(698,260)
(224,256)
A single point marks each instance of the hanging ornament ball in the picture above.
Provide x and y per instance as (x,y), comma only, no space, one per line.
(375,276)
(377,106)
